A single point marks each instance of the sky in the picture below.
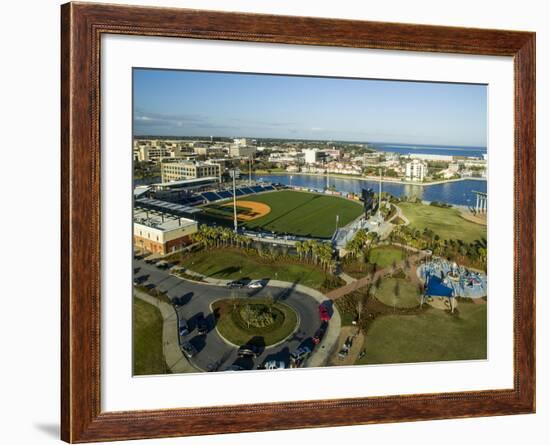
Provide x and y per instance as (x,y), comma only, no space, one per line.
(193,103)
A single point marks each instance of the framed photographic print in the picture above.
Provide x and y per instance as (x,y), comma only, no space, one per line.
(277,222)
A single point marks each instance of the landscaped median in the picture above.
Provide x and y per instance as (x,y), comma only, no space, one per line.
(258,321)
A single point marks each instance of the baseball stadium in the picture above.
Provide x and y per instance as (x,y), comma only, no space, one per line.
(263,208)
(287,212)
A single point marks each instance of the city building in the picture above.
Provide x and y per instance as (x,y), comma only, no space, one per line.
(209,150)
(149,153)
(334,153)
(371,158)
(177,171)
(242,151)
(451,171)
(313,155)
(241,142)
(161,233)
(284,159)
(415,170)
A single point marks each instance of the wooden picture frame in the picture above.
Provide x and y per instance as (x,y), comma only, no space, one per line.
(82,26)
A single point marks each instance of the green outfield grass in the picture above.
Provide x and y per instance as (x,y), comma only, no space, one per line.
(446,222)
(297,213)
(432,335)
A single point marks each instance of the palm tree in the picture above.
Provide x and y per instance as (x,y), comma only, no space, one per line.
(299,249)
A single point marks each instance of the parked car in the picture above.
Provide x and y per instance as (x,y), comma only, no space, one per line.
(151,260)
(320,333)
(255,284)
(237,284)
(214,366)
(298,357)
(249,351)
(139,280)
(188,349)
(178,301)
(183,327)
(163,265)
(202,325)
(274,364)
(323,313)
(235,368)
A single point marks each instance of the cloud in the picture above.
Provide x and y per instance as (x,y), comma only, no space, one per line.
(167,120)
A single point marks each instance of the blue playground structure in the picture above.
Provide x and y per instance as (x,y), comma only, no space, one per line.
(443,278)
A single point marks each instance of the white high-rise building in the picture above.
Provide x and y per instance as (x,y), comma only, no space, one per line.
(416,170)
(313,155)
(241,141)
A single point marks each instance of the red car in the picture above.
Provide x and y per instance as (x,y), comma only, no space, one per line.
(323,313)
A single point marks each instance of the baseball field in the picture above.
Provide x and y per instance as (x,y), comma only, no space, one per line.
(288,212)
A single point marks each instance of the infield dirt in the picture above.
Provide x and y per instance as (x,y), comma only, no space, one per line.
(250,210)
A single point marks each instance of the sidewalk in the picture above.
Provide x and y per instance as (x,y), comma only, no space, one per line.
(175,360)
(347,278)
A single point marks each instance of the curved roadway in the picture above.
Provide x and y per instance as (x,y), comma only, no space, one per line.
(193,298)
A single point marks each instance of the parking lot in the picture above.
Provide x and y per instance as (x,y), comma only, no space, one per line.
(192,301)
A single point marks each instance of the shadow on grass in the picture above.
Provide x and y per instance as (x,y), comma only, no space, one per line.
(225,272)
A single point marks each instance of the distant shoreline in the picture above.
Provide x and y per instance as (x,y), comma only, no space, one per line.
(373,178)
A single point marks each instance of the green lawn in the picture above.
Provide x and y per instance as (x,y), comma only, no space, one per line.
(398,292)
(232,264)
(233,328)
(300,213)
(385,256)
(446,222)
(147,338)
(432,335)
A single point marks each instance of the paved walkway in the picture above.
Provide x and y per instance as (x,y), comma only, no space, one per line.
(399,213)
(175,360)
(347,278)
(365,281)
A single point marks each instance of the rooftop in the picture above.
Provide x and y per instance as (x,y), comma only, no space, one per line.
(160,221)
(188,182)
(165,207)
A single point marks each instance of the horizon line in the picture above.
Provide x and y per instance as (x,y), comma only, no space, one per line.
(412,145)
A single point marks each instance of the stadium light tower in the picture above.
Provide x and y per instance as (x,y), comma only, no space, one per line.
(380,193)
(235,226)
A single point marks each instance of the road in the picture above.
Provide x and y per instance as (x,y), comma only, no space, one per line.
(196,298)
